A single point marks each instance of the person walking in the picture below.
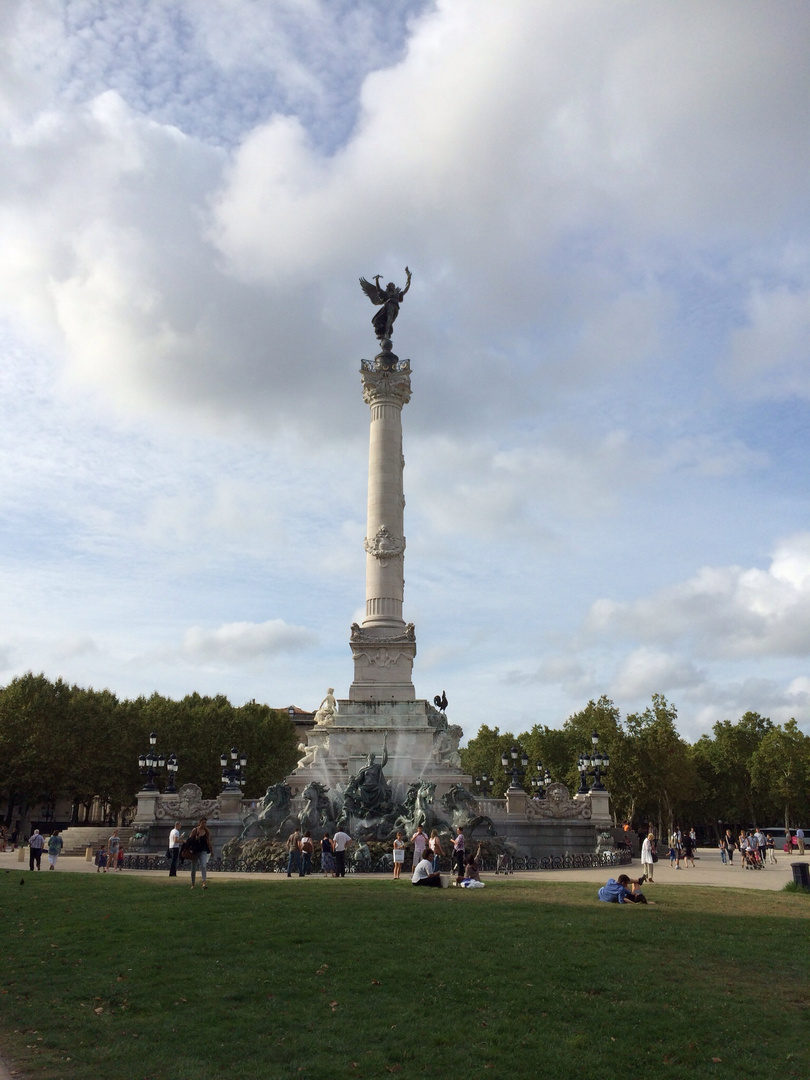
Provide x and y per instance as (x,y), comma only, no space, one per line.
(688,850)
(728,845)
(55,845)
(199,842)
(770,849)
(35,846)
(294,853)
(647,857)
(800,839)
(113,847)
(174,848)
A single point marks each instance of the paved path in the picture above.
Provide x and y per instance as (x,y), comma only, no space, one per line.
(708,870)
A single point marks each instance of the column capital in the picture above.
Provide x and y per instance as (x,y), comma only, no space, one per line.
(389,384)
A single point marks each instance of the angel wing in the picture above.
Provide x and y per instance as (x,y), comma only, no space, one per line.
(373,291)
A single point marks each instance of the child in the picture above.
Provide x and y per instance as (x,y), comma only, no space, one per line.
(101,860)
(399,855)
(120,859)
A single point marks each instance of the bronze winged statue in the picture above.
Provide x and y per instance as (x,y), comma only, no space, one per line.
(388,300)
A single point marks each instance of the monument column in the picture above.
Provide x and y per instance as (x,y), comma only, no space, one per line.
(383,646)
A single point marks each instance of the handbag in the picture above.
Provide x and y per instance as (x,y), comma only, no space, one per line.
(168,852)
(186,853)
(786,847)
(655,857)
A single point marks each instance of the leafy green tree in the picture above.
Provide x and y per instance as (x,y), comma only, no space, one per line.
(482,755)
(661,773)
(602,717)
(780,769)
(199,729)
(34,763)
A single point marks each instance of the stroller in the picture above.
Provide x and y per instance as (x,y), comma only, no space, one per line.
(751,859)
(504,864)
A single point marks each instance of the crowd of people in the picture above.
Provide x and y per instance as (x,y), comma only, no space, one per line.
(754,848)
(427,852)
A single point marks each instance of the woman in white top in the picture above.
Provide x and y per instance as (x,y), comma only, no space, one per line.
(647,851)
(399,855)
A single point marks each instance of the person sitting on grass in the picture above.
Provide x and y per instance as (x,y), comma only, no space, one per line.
(472,878)
(622,890)
(424,874)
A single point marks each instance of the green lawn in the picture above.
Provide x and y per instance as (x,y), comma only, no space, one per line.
(123,978)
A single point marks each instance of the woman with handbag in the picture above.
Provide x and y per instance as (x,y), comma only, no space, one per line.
(648,857)
(200,847)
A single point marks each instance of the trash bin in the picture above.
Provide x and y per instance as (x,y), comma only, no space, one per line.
(801,874)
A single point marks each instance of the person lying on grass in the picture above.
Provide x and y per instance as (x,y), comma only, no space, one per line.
(622,890)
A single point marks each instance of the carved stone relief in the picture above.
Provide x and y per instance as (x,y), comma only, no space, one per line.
(558,804)
(384,545)
(187,803)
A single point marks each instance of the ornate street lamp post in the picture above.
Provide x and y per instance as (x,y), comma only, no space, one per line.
(509,761)
(171,767)
(484,785)
(233,776)
(149,762)
(594,765)
(541,781)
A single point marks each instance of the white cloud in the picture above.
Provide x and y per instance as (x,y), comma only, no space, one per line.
(770,355)
(607,219)
(728,612)
(645,671)
(239,642)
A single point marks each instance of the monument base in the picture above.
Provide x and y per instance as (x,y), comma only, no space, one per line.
(415,737)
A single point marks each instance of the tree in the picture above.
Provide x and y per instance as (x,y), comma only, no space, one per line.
(780,769)
(602,717)
(33,723)
(660,769)
(482,755)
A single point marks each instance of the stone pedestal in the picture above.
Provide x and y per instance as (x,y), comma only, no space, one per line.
(147,801)
(416,737)
(600,808)
(516,800)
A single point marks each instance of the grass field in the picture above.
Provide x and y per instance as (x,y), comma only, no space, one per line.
(124,978)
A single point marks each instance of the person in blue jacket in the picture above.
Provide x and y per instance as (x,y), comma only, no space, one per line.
(622,890)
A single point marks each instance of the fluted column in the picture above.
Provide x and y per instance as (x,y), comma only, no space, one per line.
(384,646)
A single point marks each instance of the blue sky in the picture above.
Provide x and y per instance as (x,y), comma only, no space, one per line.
(605,207)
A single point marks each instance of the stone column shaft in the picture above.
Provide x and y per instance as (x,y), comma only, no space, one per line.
(385,580)
(383,646)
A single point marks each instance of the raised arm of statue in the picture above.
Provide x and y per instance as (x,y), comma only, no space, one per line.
(385,751)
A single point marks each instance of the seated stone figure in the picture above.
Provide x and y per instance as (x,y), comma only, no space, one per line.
(327,709)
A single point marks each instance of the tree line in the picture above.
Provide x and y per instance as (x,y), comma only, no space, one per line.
(59,741)
(749,771)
